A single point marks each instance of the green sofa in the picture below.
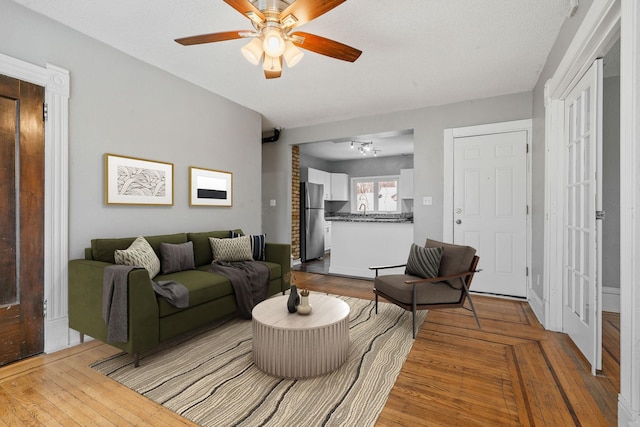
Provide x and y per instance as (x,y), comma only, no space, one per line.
(152,319)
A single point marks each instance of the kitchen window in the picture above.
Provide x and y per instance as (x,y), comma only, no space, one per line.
(375,194)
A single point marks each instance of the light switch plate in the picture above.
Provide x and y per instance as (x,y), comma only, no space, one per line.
(272,202)
(427,200)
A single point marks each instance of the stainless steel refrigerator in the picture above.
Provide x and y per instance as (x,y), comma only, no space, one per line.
(311,221)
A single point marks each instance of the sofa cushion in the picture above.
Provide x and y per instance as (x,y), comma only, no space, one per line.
(176,257)
(231,249)
(274,268)
(424,262)
(139,254)
(426,293)
(203,287)
(202,248)
(155,241)
(104,249)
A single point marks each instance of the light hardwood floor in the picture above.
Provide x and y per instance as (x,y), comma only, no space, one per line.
(510,372)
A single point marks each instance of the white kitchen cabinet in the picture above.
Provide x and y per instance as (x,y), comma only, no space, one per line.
(406,183)
(317,176)
(327,236)
(339,187)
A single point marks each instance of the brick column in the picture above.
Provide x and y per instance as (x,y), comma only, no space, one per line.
(295,202)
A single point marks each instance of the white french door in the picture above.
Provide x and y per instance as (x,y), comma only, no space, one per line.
(490,208)
(582,261)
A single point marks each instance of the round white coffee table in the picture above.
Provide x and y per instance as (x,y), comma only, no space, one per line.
(291,345)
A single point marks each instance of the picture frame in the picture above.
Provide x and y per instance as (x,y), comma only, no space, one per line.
(209,187)
(134,181)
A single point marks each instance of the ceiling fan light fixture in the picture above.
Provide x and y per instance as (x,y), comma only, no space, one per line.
(253,51)
(292,54)
(271,63)
(273,43)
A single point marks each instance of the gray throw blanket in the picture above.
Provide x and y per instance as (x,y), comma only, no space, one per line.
(115,301)
(175,293)
(250,281)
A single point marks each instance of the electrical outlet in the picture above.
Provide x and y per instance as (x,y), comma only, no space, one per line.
(272,202)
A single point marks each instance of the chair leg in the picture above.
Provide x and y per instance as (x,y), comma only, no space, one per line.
(473,309)
(413,310)
(376,303)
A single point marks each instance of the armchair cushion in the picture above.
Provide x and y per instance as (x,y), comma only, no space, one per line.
(455,259)
(424,262)
(395,287)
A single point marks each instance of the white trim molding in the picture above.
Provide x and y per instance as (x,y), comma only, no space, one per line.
(553,219)
(629,398)
(603,23)
(56,82)
(611,299)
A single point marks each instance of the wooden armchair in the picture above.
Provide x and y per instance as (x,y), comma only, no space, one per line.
(449,290)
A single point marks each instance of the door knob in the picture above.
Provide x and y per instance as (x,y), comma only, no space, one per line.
(458,221)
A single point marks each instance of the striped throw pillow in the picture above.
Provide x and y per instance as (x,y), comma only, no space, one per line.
(424,262)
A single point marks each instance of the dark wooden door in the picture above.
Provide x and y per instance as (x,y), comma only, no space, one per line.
(21,219)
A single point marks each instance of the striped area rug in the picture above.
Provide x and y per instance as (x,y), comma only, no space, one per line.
(210,379)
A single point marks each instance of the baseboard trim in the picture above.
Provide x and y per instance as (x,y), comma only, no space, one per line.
(537,306)
(611,299)
(626,415)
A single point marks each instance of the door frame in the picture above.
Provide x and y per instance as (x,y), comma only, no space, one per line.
(450,135)
(605,31)
(604,21)
(56,82)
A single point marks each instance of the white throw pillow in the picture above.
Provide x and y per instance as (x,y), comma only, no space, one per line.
(139,254)
(232,249)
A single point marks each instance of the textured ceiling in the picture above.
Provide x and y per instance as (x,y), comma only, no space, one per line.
(416,53)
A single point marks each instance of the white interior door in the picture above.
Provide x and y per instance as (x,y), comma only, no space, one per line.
(490,208)
(582,262)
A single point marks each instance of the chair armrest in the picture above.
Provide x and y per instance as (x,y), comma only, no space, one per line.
(382,267)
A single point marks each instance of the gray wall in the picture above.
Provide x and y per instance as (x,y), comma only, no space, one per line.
(558,51)
(428,125)
(611,183)
(123,106)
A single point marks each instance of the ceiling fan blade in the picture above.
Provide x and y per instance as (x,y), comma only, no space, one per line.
(247,9)
(210,38)
(306,10)
(324,46)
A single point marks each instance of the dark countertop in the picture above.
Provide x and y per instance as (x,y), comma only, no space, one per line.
(387,218)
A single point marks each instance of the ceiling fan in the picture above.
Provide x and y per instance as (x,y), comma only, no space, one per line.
(273,39)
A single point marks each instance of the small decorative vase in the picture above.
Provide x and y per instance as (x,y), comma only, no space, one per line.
(304,307)
(294,299)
